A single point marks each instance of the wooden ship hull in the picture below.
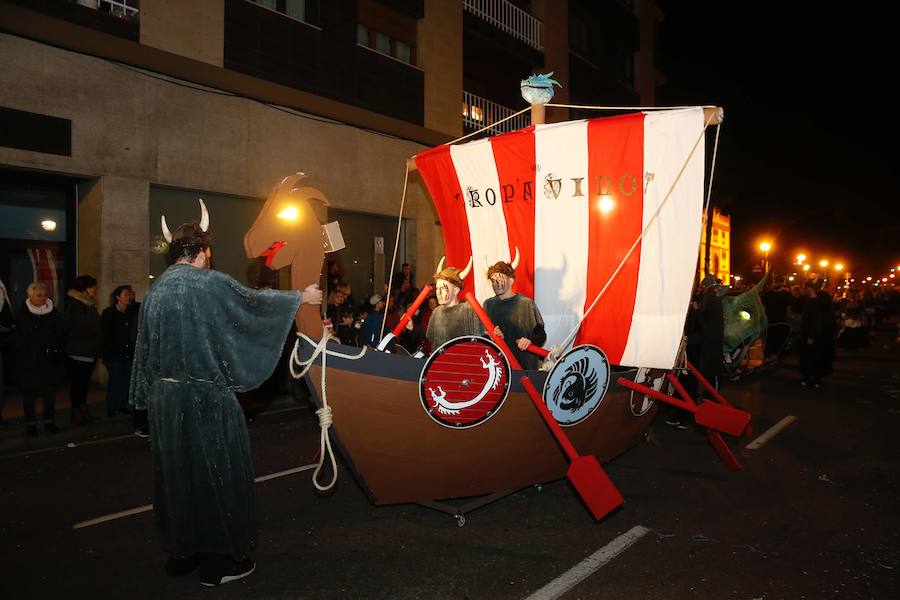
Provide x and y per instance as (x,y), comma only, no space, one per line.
(399,454)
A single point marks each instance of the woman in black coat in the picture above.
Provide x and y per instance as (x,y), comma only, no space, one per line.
(816,337)
(85,343)
(119,334)
(39,353)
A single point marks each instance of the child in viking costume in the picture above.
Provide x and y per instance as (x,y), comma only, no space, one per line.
(201,337)
(452,318)
(515,317)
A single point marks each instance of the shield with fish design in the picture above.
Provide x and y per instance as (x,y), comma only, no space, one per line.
(464,382)
(577,384)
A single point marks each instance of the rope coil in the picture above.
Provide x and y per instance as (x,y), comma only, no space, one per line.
(326,417)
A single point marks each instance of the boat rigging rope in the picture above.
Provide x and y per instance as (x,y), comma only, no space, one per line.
(387,300)
(571,337)
(324,413)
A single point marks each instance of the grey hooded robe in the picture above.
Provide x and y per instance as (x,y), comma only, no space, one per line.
(202,336)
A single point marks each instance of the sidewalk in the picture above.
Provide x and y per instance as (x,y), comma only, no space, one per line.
(14,441)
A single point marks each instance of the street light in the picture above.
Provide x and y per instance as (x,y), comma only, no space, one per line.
(765,247)
(823,263)
(806,267)
(838,267)
(801,258)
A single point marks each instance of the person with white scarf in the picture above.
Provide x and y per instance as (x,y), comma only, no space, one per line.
(39,350)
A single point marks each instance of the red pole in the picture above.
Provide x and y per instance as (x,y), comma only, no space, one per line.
(426,291)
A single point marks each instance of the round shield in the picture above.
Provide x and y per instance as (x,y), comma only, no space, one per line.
(577,384)
(653,379)
(464,382)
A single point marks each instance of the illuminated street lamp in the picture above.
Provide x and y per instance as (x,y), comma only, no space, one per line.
(868,279)
(806,267)
(838,267)
(823,263)
(765,247)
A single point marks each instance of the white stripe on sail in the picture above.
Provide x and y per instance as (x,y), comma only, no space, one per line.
(476,171)
(669,248)
(560,226)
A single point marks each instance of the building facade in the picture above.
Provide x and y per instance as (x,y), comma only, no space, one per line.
(114,113)
(719,247)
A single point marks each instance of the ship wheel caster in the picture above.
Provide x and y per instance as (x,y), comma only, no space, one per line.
(460,520)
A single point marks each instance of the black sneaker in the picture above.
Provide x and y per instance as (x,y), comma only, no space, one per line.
(51,428)
(178,567)
(218,572)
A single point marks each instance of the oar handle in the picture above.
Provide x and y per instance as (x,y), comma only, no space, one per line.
(489,327)
(423,295)
(538,350)
(549,419)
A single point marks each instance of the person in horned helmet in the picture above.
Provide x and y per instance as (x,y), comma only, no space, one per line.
(452,318)
(516,318)
(202,336)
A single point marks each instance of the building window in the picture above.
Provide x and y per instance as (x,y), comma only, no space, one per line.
(385,44)
(302,10)
(382,43)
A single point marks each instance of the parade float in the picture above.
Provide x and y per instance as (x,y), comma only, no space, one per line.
(602,218)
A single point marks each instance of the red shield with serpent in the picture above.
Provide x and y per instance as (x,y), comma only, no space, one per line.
(464,382)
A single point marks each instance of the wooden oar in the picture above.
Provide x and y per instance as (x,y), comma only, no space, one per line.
(585,472)
(708,414)
(426,291)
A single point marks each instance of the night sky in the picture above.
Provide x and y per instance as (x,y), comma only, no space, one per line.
(806,155)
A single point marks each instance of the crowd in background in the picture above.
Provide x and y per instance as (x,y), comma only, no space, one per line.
(359,322)
(47,346)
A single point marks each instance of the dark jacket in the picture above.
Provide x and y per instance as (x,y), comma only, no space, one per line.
(119,331)
(38,345)
(706,335)
(85,328)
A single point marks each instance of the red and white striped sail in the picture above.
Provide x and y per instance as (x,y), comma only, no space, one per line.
(539,190)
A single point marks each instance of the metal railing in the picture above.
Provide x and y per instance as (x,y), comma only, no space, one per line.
(124,9)
(479,112)
(509,18)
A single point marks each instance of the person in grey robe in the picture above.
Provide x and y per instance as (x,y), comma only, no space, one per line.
(516,318)
(452,318)
(202,336)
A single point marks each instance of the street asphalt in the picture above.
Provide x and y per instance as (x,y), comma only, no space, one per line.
(812,514)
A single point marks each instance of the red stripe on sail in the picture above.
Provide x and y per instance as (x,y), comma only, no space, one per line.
(616,168)
(436,168)
(514,157)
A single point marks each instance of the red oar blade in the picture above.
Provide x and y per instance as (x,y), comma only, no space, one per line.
(594,487)
(722,418)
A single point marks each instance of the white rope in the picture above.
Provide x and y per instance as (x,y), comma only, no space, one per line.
(571,337)
(325,415)
(624,107)
(394,258)
(708,227)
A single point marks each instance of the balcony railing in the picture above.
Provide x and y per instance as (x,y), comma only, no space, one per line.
(509,18)
(479,112)
(124,9)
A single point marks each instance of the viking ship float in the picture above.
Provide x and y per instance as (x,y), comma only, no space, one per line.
(603,218)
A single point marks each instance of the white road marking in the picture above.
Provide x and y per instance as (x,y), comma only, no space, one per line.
(149,507)
(770,433)
(588,566)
